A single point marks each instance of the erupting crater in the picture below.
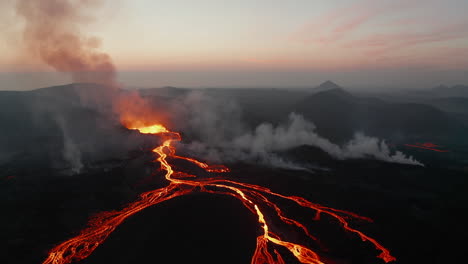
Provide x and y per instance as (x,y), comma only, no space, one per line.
(255,198)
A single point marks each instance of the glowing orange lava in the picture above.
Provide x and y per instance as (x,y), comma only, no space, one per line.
(255,198)
(154,129)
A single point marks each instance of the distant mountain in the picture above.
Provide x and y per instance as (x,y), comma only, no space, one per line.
(454,91)
(326,86)
(336,93)
(339,114)
(441,87)
(451,104)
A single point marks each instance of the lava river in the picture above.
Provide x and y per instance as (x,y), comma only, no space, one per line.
(253,197)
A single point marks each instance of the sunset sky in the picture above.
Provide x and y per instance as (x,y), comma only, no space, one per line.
(261,43)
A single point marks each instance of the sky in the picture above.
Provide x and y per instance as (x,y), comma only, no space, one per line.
(262,43)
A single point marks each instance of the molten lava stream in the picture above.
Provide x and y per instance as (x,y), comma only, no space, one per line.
(255,198)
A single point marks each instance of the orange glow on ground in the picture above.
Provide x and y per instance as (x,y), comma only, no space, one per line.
(253,197)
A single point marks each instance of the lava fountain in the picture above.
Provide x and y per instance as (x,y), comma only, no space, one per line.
(253,197)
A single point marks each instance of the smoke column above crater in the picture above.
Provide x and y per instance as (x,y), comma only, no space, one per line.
(52,33)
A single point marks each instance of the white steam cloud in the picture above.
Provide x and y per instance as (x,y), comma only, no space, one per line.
(362,146)
(71,152)
(222,137)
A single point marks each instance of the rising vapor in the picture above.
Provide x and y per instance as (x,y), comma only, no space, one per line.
(71,152)
(221,136)
(52,33)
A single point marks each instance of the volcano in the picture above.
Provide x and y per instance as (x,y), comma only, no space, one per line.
(326,86)
(213,223)
(98,172)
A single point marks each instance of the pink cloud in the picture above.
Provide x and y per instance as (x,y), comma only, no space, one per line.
(341,22)
(381,44)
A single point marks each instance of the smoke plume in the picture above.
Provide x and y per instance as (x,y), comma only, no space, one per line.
(52,33)
(362,146)
(221,136)
(71,152)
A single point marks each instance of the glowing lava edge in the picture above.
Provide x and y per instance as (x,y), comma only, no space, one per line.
(252,196)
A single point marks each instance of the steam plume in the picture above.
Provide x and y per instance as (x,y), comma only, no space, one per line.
(208,118)
(71,152)
(52,32)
